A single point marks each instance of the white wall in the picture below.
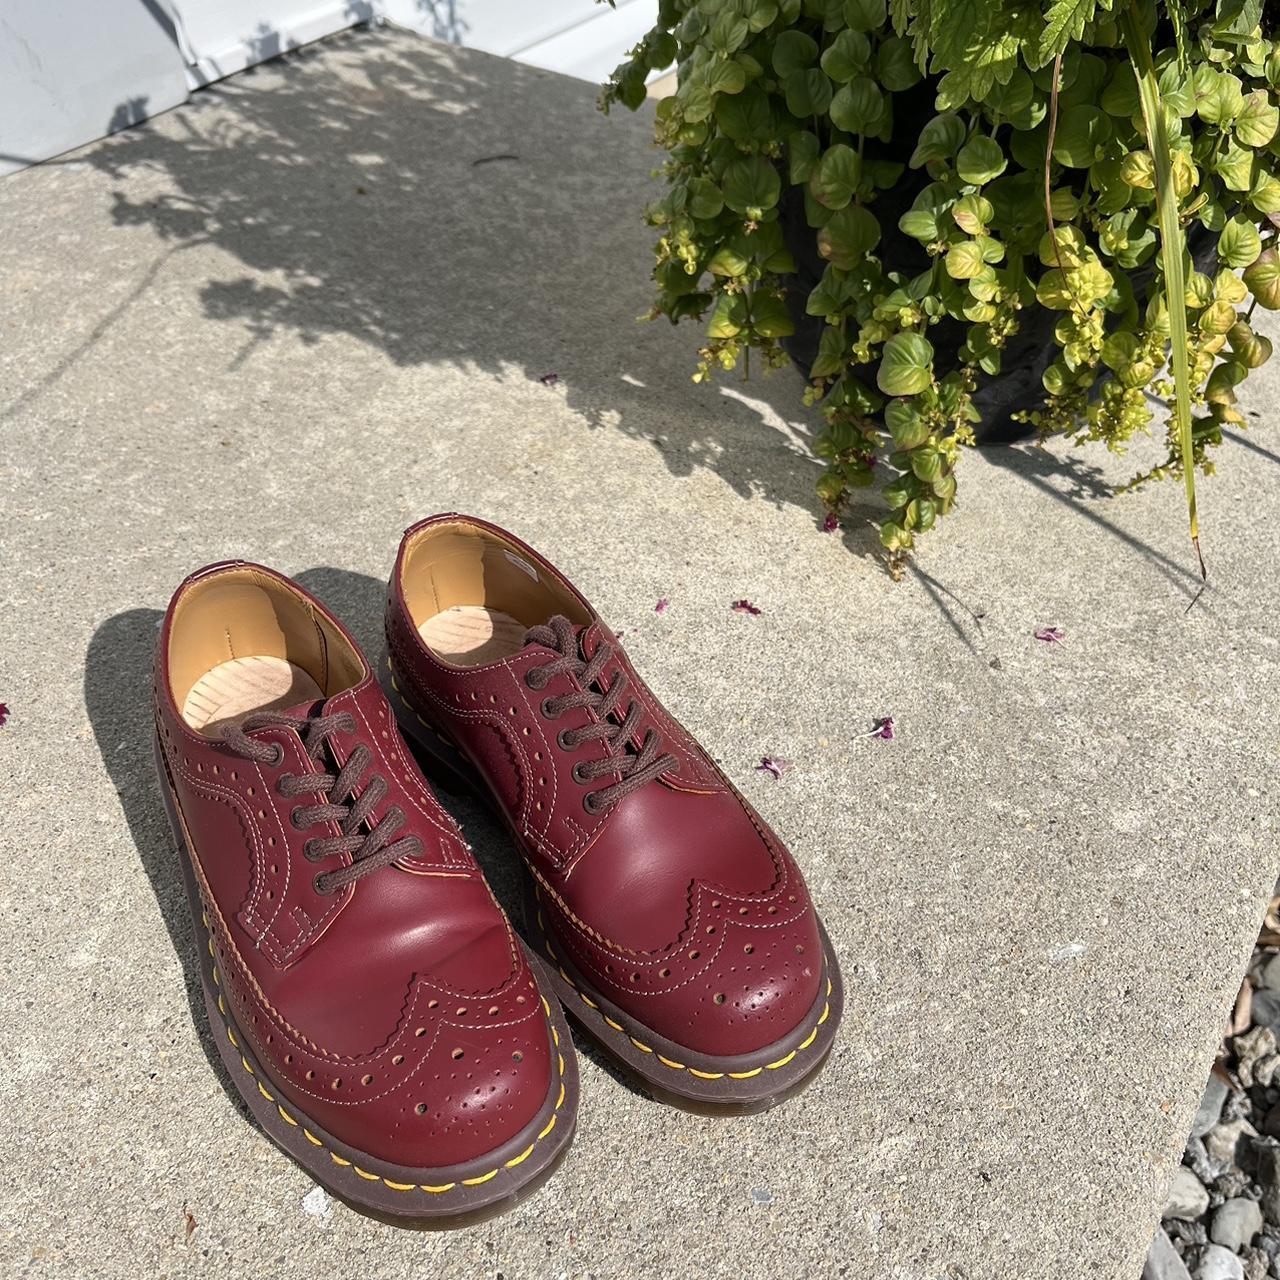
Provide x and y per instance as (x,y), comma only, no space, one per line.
(66,80)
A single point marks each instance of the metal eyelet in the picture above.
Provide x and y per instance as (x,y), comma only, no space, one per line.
(320,885)
(548,712)
(276,760)
(294,820)
(579,776)
(309,851)
(566,741)
(590,804)
(535,678)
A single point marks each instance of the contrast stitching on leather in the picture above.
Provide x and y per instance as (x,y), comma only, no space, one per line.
(375,1177)
(614,1025)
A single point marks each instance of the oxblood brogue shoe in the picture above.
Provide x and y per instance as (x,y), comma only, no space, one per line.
(366,992)
(680,929)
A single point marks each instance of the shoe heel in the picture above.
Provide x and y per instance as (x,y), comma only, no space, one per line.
(441,761)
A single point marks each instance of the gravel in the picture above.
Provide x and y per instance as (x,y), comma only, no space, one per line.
(1221,1217)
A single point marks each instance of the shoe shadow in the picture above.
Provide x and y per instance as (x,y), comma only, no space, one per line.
(358,601)
(117,694)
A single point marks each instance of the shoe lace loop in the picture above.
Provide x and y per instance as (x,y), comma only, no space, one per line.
(369,849)
(613,729)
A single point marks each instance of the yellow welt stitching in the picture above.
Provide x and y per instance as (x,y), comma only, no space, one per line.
(808,1040)
(374,1177)
(781,1062)
(617,1026)
(666,1062)
(217,981)
(565,976)
(555,1036)
(587,1000)
(644,1048)
(745,1075)
(705,1075)
(826,1011)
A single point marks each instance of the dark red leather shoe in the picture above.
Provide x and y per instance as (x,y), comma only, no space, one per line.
(366,992)
(680,928)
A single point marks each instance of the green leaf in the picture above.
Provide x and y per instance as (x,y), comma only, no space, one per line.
(981,160)
(865,15)
(808,93)
(705,199)
(1219,95)
(769,316)
(847,56)
(1258,121)
(803,149)
(1263,279)
(857,107)
(896,69)
(906,424)
(726,76)
(746,116)
(940,139)
(793,51)
(836,178)
(1083,131)
(849,236)
(965,260)
(751,183)
(1239,244)
(906,365)
(1064,22)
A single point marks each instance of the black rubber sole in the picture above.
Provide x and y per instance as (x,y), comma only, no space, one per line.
(449,1196)
(669,1072)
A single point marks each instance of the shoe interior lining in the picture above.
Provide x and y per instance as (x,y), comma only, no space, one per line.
(238,615)
(472,594)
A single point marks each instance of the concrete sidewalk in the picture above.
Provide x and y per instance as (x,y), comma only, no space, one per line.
(290,317)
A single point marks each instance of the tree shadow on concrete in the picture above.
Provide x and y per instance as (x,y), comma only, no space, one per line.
(471,210)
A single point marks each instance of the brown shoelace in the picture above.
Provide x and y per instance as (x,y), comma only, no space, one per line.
(633,768)
(369,849)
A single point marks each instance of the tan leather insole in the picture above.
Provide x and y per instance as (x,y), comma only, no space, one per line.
(469,634)
(235,689)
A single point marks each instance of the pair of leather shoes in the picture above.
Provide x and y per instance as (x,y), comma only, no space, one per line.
(373,1005)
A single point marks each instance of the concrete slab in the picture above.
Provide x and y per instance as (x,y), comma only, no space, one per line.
(290,317)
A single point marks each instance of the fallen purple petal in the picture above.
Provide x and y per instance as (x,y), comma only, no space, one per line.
(831,522)
(883,727)
(662,606)
(774,765)
(4,713)
(1050,635)
(549,379)
(745,606)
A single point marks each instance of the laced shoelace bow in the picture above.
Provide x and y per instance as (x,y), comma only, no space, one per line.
(633,768)
(369,849)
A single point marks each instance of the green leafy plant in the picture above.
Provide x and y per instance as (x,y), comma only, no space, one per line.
(1104,171)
